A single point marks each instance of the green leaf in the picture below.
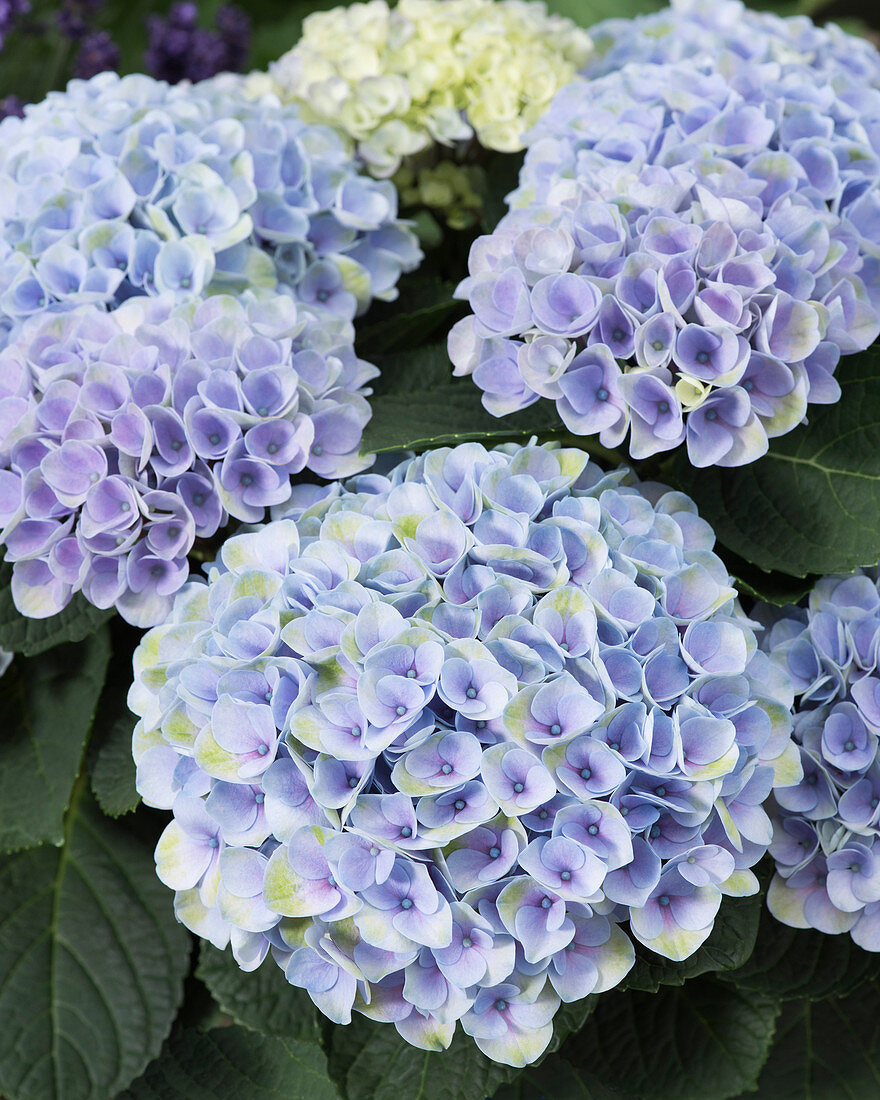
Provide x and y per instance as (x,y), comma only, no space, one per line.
(812,504)
(425,306)
(449,414)
(111,765)
(411,371)
(263,1000)
(793,962)
(48,704)
(703,1041)
(569,1019)
(775,588)
(91,961)
(826,1051)
(233,1063)
(113,771)
(729,945)
(557,1079)
(370,1061)
(19,634)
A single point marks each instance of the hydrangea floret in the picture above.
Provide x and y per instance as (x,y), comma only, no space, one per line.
(400,80)
(125,436)
(826,829)
(128,186)
(687,257)
(733,35)
(432,738)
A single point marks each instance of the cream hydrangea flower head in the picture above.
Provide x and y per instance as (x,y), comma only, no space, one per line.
(399,80)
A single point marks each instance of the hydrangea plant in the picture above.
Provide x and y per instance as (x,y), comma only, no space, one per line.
(687,256)
(433,737)
(826,829)
(124,187)
(124,436)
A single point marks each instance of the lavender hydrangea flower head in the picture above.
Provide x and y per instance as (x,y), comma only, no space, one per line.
(459,724)
(826,829)
(733,35)
(124,187)
(688,255)
(125,436)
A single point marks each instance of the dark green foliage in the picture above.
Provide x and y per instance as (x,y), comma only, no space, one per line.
(91,961)
(812,505)
(47,704)
(263,1000)
(234,1062)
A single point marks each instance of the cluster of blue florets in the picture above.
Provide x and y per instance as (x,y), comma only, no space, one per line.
(124,436)
(731,34)
(122,187)
(826,829)
(690,250)
(432,739)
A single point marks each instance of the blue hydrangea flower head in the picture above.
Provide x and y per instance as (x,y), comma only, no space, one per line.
(729,32)
(125,436)
(826,829)
(688,254)
(119,187)
(432,739)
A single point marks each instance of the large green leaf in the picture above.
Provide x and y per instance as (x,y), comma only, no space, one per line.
(812,504)
(233,1063)
(47,703)
(409,371)
(91,961)
(729,945)
(447,414)
(263,999)
(370,1061)
(703,1041)
(793,962)
(32,636)
(557,1079)
(826,1051)
(424,307)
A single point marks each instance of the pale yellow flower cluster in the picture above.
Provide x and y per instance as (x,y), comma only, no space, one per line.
(398,80)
